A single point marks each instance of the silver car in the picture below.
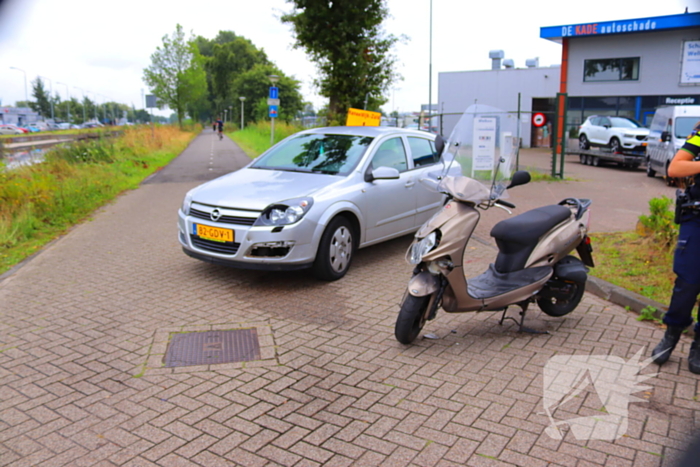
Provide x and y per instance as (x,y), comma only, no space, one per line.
(313,199)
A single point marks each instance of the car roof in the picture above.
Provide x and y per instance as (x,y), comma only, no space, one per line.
(373,131)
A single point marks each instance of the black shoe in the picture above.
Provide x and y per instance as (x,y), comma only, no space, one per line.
(694,356)
(662,352)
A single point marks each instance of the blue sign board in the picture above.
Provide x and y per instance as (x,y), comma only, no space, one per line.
(274,92)
(273,111)
(657,23)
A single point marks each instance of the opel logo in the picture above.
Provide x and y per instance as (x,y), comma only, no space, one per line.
(215,214)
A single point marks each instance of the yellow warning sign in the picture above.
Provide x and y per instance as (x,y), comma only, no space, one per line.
(357,117)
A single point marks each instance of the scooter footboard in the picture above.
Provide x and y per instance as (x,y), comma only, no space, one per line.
(501,289)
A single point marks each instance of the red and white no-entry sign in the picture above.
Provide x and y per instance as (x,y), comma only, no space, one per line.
(538,119)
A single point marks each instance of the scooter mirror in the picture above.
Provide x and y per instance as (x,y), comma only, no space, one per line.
(521,177)
(439,145)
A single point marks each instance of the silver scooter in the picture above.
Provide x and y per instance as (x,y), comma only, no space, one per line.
(533,263)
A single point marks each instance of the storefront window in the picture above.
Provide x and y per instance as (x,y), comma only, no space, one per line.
(611,69)
(606,103)
(575,103)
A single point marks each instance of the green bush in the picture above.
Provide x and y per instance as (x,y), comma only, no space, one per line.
(89,151)
(659,223)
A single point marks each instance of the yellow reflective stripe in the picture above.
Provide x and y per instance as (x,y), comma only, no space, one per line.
(694,140)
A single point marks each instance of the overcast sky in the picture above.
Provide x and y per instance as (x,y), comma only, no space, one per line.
(102,47)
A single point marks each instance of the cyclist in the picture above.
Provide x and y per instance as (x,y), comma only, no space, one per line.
(220,127)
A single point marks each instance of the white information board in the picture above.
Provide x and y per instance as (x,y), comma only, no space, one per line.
(690,63)
(484,143)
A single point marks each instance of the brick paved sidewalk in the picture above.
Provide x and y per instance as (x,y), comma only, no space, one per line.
(83,329)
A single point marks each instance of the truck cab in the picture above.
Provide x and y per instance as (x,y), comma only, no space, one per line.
(669,129)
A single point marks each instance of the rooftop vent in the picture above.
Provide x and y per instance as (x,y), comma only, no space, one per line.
(508,63)
(532,62)
(496,56)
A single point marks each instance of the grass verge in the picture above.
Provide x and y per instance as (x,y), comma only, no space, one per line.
(40,202)
(255,138)
(634,262)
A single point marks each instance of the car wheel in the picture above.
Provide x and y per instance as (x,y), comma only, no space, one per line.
(335,250)
(615,145)
(583,142)
(595,162)
(651,173)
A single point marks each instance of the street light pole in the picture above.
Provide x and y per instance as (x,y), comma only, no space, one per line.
(242,110)
(430,72)
(67,101)
(51,95)
(26,98)
(94,104)
(81,90)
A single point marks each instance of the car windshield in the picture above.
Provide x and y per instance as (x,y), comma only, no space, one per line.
(316,153)
(684,126)
(620,122)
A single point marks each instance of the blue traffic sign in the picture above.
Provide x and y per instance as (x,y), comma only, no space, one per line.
(274,92)
(273,111)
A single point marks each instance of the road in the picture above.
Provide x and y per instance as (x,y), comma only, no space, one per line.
(85,327)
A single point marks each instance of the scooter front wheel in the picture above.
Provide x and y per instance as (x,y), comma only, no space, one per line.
(559,298)
(411,318)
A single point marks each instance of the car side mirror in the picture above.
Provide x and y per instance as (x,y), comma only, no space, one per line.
(382,173)
(665,136)
(521,177)
(439,145)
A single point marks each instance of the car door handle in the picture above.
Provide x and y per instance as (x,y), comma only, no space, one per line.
(410,183)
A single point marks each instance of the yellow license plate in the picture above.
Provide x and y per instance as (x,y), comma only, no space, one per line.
(213,233)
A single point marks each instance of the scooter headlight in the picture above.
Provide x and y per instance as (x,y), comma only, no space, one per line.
(423,247)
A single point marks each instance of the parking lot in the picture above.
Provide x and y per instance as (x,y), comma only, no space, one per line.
(86,324)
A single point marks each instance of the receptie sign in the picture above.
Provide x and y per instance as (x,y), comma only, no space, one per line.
(357,117)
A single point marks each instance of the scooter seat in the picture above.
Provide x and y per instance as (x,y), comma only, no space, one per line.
(529,226)
(516,237)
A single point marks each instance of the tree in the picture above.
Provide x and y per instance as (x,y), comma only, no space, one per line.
(176,74)
(254,85)
(42,104)
(347,43)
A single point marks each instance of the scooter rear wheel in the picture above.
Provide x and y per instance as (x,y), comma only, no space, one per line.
(559,298)
(411,318)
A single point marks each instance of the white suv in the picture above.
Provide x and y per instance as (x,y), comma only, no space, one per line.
(617,133)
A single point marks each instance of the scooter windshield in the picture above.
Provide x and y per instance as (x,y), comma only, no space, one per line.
(482,147)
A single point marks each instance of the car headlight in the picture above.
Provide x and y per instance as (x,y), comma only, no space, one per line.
(285,212)
(187,202)
(423,247)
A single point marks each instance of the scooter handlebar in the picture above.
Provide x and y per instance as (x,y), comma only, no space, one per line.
(505,203)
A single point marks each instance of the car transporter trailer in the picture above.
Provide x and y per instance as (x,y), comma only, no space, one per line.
(599,156)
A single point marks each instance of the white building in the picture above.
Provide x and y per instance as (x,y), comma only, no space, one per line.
(627,68)
(18,115)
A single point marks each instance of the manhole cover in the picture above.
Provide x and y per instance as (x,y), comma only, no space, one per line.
(211,347)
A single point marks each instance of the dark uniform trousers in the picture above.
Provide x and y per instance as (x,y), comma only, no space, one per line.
(686,265)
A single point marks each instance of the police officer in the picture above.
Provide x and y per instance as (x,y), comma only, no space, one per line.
(686,261)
